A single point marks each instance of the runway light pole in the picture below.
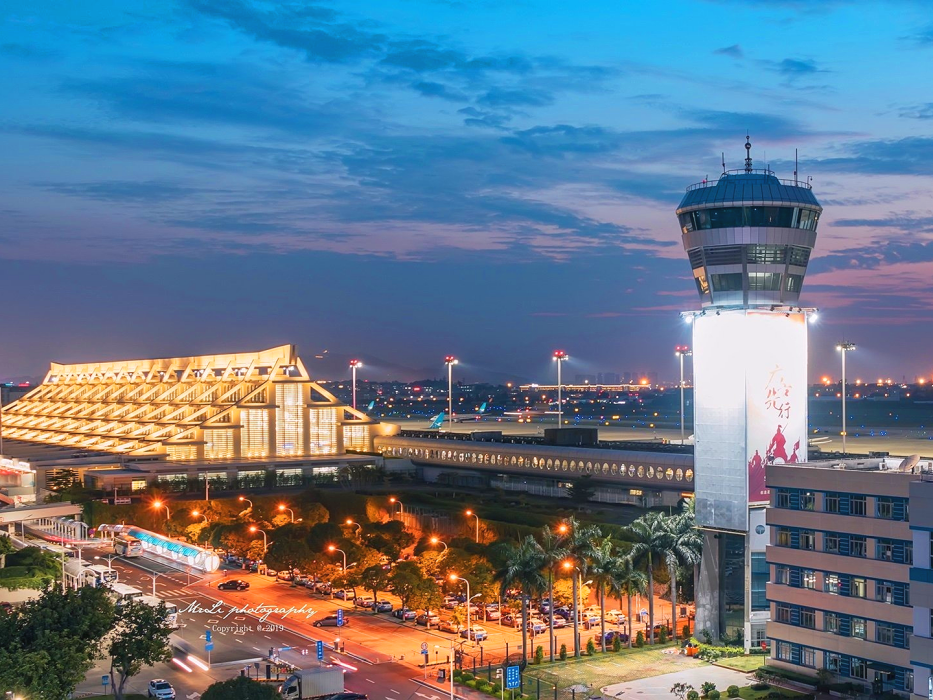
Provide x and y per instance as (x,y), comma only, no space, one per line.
(682,351)
(450,361)
(844,348)
(560,357)
(470,512)
(354,365)
(265,540)
(332,548)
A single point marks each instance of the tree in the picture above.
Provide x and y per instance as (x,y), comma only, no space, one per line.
(626,579)
(686,546)
(554,549)
(581,490)
(287,553)
(601,563)
(240,688)
(6,547)
(140,638)
(523,570)
(406,581)
(48,645)
(680,690)
(652,544)
(389,538)
(374,579)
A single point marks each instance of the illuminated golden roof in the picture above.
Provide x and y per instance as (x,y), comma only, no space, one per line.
(260,404)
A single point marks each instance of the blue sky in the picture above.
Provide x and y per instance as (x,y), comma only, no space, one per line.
(404,179)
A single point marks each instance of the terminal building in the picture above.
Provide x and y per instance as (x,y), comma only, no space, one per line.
(237,420)
(852,571)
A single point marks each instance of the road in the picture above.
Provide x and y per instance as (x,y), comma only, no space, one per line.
(381,654)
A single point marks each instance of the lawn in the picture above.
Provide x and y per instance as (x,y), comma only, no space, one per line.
(612,667)
(752,662)
(748,694)
(128,696)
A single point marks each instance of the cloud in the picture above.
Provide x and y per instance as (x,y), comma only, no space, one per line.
(503,97)
(924,111)
(734,51)
(432,89)
(797,68)
(488,120)
(912,155)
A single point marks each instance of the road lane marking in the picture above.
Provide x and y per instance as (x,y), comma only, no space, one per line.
(370,680)
(393,690)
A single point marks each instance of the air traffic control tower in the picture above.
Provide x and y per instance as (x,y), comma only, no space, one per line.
(748,236)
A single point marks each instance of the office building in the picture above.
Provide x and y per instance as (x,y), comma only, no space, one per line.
(849,556)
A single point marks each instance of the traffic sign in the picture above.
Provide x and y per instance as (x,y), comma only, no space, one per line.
(209,646)
(105,680)
(513,677)
(424,646)
(207,635)
(320,650)
(340,617)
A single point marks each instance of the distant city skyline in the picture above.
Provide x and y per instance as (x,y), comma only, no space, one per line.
(401,181)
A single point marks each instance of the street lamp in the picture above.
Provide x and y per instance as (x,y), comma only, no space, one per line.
(438,540)
(560,357)
(450,361)
(283,508)
(332,548)
(401,508)
(359,527)
(682,351)
(844,348)
(574,572)
(265,540)
(244,498)
(199,514)
(469,513)
(160,504)
(354,365)
(454,577)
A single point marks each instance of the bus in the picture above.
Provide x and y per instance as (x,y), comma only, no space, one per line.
(121,593)
(171,610)
(127,546)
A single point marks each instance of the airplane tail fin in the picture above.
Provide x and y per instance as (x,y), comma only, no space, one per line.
(438,421)
(482,409)
(371,404)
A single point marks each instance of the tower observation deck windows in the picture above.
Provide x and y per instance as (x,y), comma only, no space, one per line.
(727,283)
(737,217)
(764,282)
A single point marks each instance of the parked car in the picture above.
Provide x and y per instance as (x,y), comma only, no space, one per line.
(537,626)
(615,616)
(271,572)
(559,622)
(544,606)
(331,621)
(404,614)
(364,601)
(590,621)
(564,612)
(345,594)
(285,576)
(234,585)
(612,634)
(324,587)
(477,634)
(511,620)
(492,613)
(161,689)
(450,602)
(381,606)
(428,619)
(450,626)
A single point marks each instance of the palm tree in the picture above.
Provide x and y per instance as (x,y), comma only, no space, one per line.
(600,566)
(652,542)
(584,540)
(554,549)
(627,579)
(522,568)
(686,546)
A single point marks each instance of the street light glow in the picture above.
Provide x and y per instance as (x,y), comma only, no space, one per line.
(331,548)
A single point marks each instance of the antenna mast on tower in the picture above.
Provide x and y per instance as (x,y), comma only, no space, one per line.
(748,154)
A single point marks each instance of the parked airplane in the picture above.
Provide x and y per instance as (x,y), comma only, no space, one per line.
(437,421)
(475,416)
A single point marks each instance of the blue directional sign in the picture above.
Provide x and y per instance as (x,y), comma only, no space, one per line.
(340,617)
(105,680)
(320,650)
(207,635)
(513,677)
(209,646)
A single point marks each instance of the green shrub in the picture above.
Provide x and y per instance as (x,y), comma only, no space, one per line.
(707,688)
(483,686)
(760,686)
(617,643)
(693,695)
(471,683)
(662,635)
(590,647)
(714,695)
(563,652)
(640,639)
(539,655)
(496,688)
(466,676)
(685,632)
(732,691)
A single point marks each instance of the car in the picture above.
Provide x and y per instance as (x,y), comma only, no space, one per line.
(476,633)
(405,614)
(450,626)
(590,621)
(564,612)
(612,634)
(511,620)
(285,576)
(364,601)
(450,602)
(537,626)
(345,594)
(492,613)
(428,619)
(544,606)
(271,573)
(381,606)
(559,622)
(331,621)
(234,585)
(162,689)
(615,617)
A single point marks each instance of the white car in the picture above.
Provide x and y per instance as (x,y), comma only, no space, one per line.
(162,689)
(559,622)
(364,601)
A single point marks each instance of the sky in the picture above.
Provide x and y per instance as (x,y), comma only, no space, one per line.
(398,180)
